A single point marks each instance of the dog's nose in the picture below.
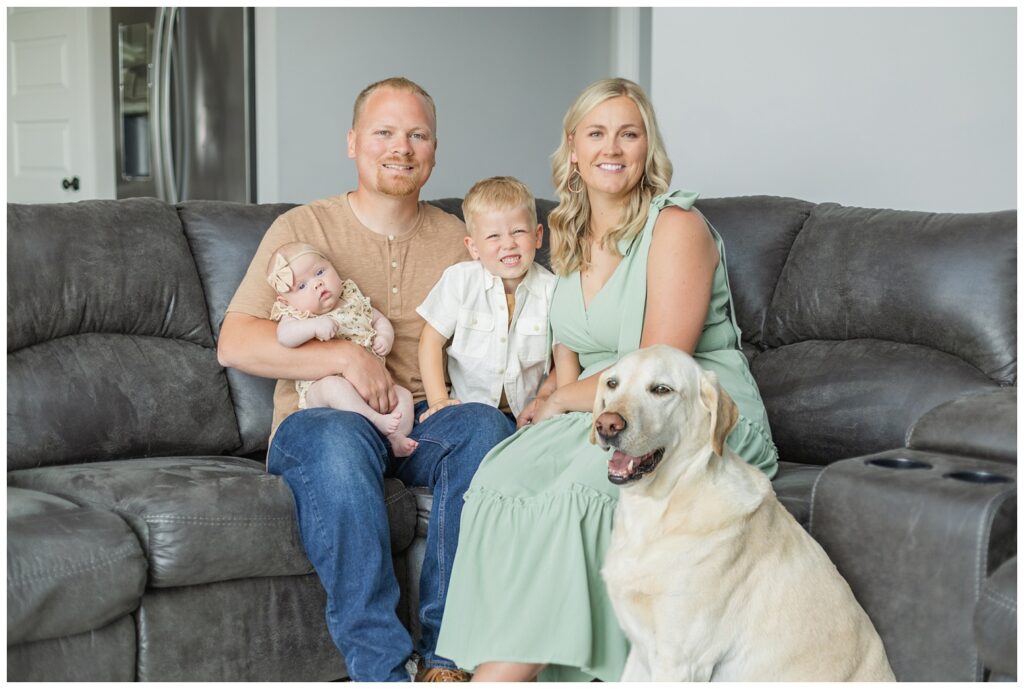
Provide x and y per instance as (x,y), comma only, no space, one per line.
(609,424)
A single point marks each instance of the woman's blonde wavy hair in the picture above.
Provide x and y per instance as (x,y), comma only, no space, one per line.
(570,220)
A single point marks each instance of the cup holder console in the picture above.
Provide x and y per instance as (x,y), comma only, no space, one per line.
(967,475)
(899,463)
(978,477)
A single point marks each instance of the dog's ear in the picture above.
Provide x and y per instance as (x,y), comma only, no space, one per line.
(724,413)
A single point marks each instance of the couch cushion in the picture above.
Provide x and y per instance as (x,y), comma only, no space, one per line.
(829,400)
(223,237)
(982,425)
(270,629)
(202,519)
(758,232)
(70,569)
(101,655)
(942,280)
(117,360)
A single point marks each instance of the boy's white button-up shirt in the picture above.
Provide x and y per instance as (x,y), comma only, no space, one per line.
(486,354)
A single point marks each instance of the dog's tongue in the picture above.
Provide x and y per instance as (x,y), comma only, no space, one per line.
(620,464)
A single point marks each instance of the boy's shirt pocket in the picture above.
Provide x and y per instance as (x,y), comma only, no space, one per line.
(532,336)
(473,333)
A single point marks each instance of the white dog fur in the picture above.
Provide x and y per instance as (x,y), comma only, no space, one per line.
(709,576)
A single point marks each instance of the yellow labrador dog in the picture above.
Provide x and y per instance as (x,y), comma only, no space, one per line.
(709,575)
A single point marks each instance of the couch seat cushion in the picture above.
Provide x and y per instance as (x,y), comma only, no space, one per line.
(70,568)
(203,519)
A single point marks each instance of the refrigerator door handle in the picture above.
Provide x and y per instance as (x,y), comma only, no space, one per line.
(156,91)
(170,185)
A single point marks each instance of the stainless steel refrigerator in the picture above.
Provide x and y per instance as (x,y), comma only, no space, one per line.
(183,103)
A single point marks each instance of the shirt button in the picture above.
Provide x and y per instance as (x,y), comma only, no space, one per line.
(391,237)
(394,264)
(536,328)
(474,322)
(502,339)
(394,290)
(501,370)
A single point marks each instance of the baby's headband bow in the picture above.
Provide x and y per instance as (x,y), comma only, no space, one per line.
(282,277)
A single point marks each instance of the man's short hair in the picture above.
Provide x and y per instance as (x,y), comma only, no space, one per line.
(397,83)
(498,193)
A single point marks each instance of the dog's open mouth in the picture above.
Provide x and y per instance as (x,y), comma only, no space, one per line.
(623,468)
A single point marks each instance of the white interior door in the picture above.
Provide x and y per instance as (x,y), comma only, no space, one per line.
(58,88)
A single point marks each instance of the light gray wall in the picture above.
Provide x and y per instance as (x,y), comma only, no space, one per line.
(501,79)
(900,108)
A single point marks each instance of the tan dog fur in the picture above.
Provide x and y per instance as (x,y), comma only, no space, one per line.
(709,576)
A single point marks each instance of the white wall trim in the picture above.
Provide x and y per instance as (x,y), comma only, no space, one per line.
(626,41)
(268,189)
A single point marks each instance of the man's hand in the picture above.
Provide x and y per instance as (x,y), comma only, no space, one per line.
(381,344)
(324,328)
(434,408)
(370,379)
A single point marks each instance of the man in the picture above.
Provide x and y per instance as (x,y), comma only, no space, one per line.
(393,247)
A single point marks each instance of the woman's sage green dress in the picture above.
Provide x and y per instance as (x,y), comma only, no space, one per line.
(526,585)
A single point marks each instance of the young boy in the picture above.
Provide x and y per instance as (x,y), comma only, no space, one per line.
(494,309)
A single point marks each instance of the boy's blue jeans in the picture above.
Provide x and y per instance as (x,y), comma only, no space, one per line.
(335,463)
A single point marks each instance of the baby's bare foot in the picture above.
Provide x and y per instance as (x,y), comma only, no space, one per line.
(402,446)
(388,423)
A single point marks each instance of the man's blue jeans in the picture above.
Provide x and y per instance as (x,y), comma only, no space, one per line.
(335,463)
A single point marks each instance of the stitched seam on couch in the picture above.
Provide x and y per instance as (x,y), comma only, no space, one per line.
(985,527)
(188,519)
(1000,600)
(122,553)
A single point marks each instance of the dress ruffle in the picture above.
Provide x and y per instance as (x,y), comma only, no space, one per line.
(521,558)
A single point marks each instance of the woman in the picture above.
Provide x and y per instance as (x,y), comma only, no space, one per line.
(637,266)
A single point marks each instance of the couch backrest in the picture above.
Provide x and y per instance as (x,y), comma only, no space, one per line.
(109,348)
(864,319)
(224,238)
(856,321)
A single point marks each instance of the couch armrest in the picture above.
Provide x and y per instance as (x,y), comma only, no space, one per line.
(983,426)
(916,535)
(995,621)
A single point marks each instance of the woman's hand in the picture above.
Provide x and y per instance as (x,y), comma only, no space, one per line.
(526,416)
(546,408)
(434,408)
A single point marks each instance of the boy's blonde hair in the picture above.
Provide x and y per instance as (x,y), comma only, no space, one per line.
(279,271)
(498,193)
(570,245)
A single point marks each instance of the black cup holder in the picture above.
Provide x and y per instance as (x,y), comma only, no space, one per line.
(899,463)
(978,477)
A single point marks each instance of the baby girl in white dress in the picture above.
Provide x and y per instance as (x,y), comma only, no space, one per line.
(313,301)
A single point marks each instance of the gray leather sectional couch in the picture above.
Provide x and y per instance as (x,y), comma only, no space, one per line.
(146,542)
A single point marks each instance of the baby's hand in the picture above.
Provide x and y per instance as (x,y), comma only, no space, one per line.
(434,408)
(324,328)
(381,345)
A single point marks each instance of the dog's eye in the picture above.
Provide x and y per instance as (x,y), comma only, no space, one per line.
(660,389)
(612,383)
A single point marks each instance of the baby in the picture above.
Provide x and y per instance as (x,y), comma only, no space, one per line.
(313,301)
(494,310)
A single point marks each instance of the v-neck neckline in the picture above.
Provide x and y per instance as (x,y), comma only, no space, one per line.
(579,283)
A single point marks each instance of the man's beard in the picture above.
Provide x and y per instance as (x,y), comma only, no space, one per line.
(398,185)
